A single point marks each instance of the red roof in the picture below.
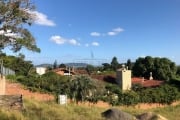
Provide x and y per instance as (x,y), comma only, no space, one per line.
(146,83)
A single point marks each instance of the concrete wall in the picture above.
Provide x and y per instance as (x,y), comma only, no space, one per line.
(124,79)
(2,85)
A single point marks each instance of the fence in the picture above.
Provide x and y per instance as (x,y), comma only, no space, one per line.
(6,71)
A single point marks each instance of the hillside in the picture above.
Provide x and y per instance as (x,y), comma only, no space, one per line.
(16,88)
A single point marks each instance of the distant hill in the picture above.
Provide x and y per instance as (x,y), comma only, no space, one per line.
(44,65)
(76,64)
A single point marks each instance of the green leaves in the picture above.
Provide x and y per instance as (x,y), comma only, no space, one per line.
(13,16)
(162,68)
(114,63)
(81,88)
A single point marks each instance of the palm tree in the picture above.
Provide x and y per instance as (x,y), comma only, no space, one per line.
(81,88)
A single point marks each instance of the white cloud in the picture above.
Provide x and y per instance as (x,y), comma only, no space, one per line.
(60,40)
(118,29)
(115,31)
(112,33)
(95,34)
(95,44)
(41,19)
(73,42)
(9,33)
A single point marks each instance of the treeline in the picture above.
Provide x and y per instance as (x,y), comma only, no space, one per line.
(161,68)
(165,94)
(17,64)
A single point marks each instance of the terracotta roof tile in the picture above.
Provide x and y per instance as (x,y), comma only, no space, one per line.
(147,83)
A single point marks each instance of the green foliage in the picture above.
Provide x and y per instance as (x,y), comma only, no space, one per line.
(178,70)
(129,64)
(62,66)
(79,88)
(113,88)
(13,15)
(106,66)
(128,98)
(18,64)
(114,63)
(165,94)
(55,65)
(90,69)
(49,82)
(82,88)
(163,68)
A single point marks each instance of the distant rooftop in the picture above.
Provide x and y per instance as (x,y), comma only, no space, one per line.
(146,82)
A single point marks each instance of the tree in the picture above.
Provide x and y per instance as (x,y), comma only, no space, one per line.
(17,64)
(114,63)
(90,69)
(163,68)
(81,88)
(14,14)
(129,64)
(106,66)
(62,66)
(55,64)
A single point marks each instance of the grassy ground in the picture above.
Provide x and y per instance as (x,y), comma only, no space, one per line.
(50,111)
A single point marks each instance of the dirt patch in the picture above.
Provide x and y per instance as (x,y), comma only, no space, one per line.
(16,88)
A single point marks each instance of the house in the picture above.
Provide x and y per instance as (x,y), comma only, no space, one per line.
(64,71)
(41,70)
(123,78)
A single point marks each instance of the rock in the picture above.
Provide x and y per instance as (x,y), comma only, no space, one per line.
(150,116)
(116,114)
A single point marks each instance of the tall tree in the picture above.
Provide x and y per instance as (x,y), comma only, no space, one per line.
(129,64)
(14,14)
(114,63)
(55,65)
(162,68)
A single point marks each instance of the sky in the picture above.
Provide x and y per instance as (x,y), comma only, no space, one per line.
(74,30)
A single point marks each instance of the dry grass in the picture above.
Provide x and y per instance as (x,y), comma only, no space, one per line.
(35,110)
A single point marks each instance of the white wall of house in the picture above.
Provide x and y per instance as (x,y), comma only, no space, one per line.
(40,70)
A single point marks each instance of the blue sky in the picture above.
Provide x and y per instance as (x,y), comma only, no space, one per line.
(69,30)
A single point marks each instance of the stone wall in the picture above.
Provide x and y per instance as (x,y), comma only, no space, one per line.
(14,102)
